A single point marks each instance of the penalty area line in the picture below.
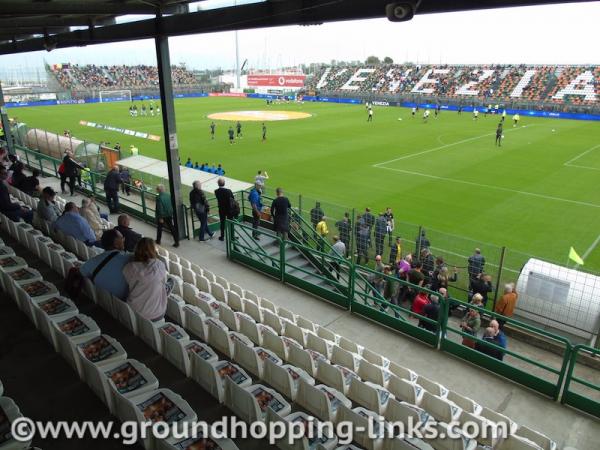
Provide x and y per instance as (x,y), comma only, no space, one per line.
(489,186)
(441,147)
(570,162)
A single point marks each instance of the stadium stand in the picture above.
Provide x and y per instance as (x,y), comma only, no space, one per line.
(73,76)
(498,82)
(304,342)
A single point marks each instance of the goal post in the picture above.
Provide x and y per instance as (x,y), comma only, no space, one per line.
(124,95)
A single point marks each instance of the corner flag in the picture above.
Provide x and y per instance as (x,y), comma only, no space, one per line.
(575,257)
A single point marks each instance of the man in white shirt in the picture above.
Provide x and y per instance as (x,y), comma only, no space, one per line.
(260,178)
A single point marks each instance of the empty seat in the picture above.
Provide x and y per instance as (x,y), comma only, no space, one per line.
(229,318)
(319,344)
(441,409)
(253,358)
(203,283)
(175,312)
(251,296)
(449,437)
(359,418)
(174,339)
(489,432)
(175,268)
(148,332)
(406,413)
(334,376)
(327,335)
(95,354)
(219,339)
(465,403)
(237,289)
(197,349)
(405,443)
(375,374)
(188,276)
(209,275)
(514,442)
(222,281)
(375,358)
(369,395)
(321,401)
(124,314)
(253,310)
(280,378)
(72,331)
(500,419)
(405,390)
(325,441)
(241,402)
(286,314)
(535,436)
(305,359)
(276,345)
(190,293)
(344,358)
(271,319)
(250,329)
(211,376)
(305,323)
(267,304)
(432,386)
(296,333)
(194,320)
(402,372)
(219,292)
(235,301)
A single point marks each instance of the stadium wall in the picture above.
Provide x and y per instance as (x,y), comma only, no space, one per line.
(330,99)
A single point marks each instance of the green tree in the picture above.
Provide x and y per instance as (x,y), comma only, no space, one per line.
(388,60)
(373,61)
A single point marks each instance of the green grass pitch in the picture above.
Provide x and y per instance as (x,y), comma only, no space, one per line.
(539,193)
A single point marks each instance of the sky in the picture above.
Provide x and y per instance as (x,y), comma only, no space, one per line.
(555,34)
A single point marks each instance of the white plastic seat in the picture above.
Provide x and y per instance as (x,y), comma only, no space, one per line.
(173,342)
(465,403)
(148,331)
(441,409)
(514,442)
(173,257)
(535,436)
(280,378)
(188,276)
(241,402)
(286,314)
(190,293)
(447,439)
(334,376)
(223,282)
(403,372)
(219,292)
(498,418)
(219,339)
(328,335)
(237,289)
(229,318)
(105,301)
(263,398)
(194,320)
(268,304)
(432,386)
(203,283)
(175,268)
(253,310)
(405,391)
(72,331)
(209,275)
(344,358)
(250,329)
(175,305)
(271,319)
(319,344)
(406,443)
(208,442)
(296,333)
(276,345)
(55,309)
(253,358)
(321,401)
(304,359)
(234,301)
(249,295)
(197,349)
(349,345)
(375,358)
(359,418)
(369,395)
(375,374)
(303,322)
(406,413)
(489,432)
(125,314)
(12,413)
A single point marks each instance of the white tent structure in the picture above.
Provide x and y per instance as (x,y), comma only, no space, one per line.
(158,168)
(561,298)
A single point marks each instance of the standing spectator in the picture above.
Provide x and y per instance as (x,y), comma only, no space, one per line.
(72,224)
(506,304)
(369,219)
(200,206)
(146,278)
(431,311)
(362,243)
(390,225)
(344,229)
(420,301)
(125,180)
(281,216)
(13,211)
(416,278)
(63,177)
(31,184)
(48,209)
(499,336)
(422,241)
(260,178)
(164,216)
(428,264)
(338,250)
(482,285)
(71,168)
(390,289)
(256,203)
(441,278)
(476,264)
(89,211)
(380,232)
(224,201)
(396,252)
(111,189)
(376,278)
(470,325)
(130,236)
(316,214)
(322,232)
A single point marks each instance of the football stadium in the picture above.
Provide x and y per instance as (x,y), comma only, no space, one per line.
(211,240)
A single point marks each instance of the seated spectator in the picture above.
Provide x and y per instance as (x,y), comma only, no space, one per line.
(31,184)
(130,236)
(89,211)
(220,170)
(110,276)
(18,177)
(470,325)
(47,208)
(488,336)
(72,224)
(499,336)
(13,211)
(146,277)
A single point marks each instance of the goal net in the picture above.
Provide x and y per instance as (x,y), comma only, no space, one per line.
(115,96)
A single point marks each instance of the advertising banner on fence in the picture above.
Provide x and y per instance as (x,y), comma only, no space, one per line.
(227,94)
(292,81)
(139,134)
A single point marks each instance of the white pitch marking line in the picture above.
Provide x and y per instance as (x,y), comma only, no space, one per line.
(445,146)
(568,163)
(590,249)
(489,186)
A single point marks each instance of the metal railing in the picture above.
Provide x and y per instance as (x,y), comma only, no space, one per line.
(578,392)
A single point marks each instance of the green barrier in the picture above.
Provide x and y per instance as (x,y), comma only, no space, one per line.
(541,377)
(578,392)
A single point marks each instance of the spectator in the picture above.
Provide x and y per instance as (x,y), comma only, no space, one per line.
(146,277)
(256,203)
(18,177)
(344,227)
(389,219)
(428,264)
(13,211)
(199,205)
(499,336)
(422,241)
(488,337)
(362,242)
(419,303)
(338,250)
(89,211)
(111,188)
(164,215)
(47,208)
(431,311)
(441,278)
(281,215)
(70,171)
(476,264)
(416,278)
(189,163)
(369,219)
(390,289)
(130,236)
(109,276)
(376,278)
(220,170)
(31,184)
(380,232)
(396,252)
(125,180)
(316,214)
(225,201)
(260,178)
(322,232)
(482,285)
(506,304)
(72,224)
(470,325)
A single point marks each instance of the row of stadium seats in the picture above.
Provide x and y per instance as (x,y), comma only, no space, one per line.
(255,335)
(402,78)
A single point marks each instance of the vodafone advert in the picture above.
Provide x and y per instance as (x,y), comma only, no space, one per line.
(276,80)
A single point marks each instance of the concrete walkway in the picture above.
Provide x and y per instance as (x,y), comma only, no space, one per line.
(569,428)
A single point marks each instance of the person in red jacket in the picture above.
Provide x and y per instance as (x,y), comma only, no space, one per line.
(419,303)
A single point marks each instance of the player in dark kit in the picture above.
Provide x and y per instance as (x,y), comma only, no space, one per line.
(212,130)
(238,128)
(264,132)
(231,134)
(499,135)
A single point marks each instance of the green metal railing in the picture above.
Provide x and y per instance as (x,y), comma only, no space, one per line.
(578,392)
(356,290)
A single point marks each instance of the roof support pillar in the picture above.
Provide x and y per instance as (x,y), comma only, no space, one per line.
(6,124)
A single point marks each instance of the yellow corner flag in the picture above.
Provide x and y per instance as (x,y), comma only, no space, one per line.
(575,257)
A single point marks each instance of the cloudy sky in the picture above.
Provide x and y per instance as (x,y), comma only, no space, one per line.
(565,34)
